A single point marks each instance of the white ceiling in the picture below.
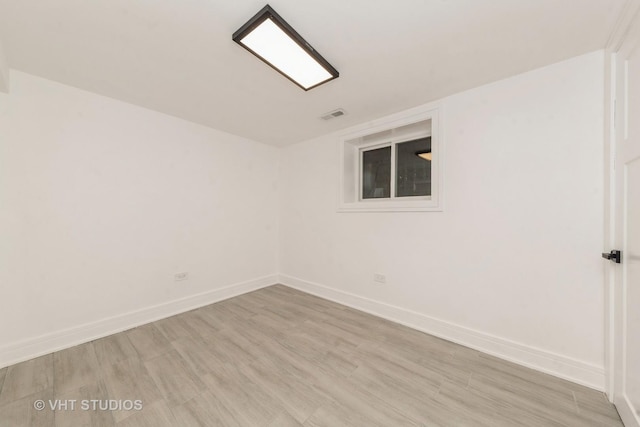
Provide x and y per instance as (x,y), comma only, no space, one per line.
(177,56)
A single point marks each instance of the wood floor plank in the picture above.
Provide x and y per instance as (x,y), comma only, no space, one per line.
(130,380)
(258,298)
(336,342)
(148,341)
(231,310)
(458,405)
(436,366)
(299,398)
(562,399)
(532,404)
(157,414)
(268,326)
(272,352)
(337,330)
(411,374)
(113,349)
(21,412)
(176,327)
(174,378)
(211,317)
(230,347)
(3,374)
(347,320)
(320,356)
(26,378)
(200,324)
(191,324)
(83,412)
(350,404)
(75,367)
(484,364)
(244,398)
(197,355)
(595,407)
(250,302)
(205,410)
(409,401)
(284,419)
(295,313)
(301,298)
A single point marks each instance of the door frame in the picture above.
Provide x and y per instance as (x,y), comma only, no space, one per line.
(618,36)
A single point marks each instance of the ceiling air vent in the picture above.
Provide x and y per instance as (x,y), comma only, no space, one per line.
(333,114)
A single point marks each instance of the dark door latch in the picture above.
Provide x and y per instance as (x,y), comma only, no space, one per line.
(615,256)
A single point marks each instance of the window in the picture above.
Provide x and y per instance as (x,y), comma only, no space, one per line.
(376,173)
(410,171)
(392,166)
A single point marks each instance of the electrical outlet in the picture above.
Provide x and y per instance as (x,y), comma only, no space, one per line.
(181,276)
(379,278)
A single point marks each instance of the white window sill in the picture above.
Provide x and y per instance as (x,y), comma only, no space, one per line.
(379,206)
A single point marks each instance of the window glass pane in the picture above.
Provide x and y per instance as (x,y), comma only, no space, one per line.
(413,173)
(376,173)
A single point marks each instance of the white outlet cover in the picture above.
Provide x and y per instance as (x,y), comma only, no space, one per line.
(181,276)
(379,278)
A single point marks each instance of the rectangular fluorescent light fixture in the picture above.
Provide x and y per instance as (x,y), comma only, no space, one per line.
(271,39)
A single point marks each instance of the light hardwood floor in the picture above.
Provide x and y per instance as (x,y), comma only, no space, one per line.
(280,357)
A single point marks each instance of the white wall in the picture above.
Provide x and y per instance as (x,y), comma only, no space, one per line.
(101,202)
(4,71)
(511,266)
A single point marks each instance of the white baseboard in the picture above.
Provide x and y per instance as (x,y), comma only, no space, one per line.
(45,344)
(586,374)
(626,411)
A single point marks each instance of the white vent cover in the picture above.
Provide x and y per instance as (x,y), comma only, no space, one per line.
(333,114)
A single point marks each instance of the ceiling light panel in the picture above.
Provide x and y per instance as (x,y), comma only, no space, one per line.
(275,42)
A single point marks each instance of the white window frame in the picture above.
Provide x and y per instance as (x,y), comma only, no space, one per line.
(352,146)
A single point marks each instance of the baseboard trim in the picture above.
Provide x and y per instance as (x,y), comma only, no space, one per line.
(548,362)
(59,340)
(625,409)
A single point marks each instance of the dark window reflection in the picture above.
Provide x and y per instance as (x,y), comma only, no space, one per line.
(376,173)
(413,174)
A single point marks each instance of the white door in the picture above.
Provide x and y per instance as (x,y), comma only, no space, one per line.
(626,180)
